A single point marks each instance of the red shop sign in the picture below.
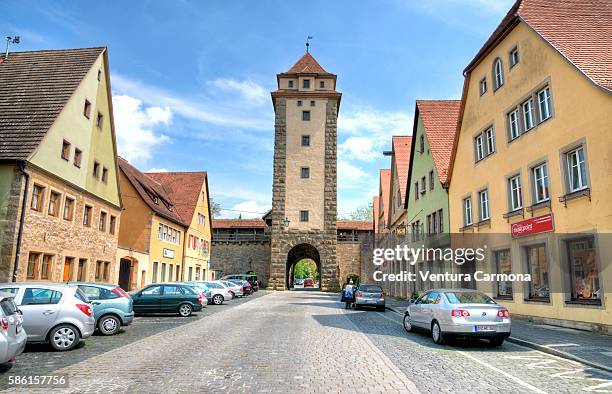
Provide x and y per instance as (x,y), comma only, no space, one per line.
(540,224)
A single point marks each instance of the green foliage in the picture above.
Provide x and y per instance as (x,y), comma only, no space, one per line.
(306,268)
(215,208)
(354,277)
(364,212)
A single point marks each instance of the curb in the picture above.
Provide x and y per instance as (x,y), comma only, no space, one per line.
(558,353)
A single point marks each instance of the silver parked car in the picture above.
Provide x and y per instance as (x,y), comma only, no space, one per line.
(451,313)
(219,292)
(12,335)
(235,288)
(53,312)
(370,295)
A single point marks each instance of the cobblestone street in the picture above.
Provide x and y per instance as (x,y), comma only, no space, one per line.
(305,341)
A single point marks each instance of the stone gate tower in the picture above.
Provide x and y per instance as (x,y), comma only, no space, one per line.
(304,200)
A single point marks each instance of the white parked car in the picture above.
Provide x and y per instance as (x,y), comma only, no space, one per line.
(220,292)
(235,288)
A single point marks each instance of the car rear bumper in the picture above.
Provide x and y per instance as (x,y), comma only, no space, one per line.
(88,329)
(12,347)
(197,307)
(127,319)
(369,301)
(470,329)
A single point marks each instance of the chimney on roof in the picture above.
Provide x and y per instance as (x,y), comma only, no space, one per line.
(9,41)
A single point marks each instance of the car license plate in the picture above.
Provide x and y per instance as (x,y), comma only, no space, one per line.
(483,328)
(370,300)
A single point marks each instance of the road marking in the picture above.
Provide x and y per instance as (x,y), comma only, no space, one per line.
(561,344)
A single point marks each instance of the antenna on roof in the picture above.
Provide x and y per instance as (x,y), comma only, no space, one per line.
(9,41)
(307,43)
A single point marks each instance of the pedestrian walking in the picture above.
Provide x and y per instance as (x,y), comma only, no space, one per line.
(349,292)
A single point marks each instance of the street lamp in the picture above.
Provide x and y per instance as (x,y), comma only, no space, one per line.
(286,222)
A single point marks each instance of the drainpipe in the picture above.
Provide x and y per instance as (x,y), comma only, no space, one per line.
(22,168)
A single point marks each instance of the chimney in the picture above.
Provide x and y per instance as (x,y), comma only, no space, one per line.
(9,41)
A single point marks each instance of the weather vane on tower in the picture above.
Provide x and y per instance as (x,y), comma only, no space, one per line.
(307,43)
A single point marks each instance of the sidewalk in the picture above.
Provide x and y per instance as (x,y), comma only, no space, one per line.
(586,347)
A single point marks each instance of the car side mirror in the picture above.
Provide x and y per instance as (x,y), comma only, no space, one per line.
(95,303)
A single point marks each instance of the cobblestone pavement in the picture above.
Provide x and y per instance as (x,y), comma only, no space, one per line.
(304,341)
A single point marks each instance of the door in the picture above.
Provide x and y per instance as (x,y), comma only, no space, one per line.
(40,308)
(148,300)
(417,310)
(171,298)
(125,270)
(68,269)
(429,308)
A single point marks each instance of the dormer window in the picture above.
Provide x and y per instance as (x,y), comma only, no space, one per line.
(322,84)
(306,84)
(290,84)
(156,200)
(498,73)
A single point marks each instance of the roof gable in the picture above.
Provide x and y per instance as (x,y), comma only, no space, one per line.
(34,88)
(306,65)
(401,157)
(385,175)
(183,188)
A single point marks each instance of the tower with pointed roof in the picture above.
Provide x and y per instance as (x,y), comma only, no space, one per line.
(304,200)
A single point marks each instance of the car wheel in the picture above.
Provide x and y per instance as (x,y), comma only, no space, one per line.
(408,323)
(109,325)
(185,310)
(496,341)
(436,334)
(64,337)
(217,299)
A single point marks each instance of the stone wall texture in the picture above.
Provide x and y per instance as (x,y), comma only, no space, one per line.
(240,257)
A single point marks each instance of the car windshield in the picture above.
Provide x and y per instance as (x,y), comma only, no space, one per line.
(370,289)
(468,297)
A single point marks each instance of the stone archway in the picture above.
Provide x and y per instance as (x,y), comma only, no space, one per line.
(297,253)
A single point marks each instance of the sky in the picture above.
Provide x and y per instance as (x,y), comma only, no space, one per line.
(191,80)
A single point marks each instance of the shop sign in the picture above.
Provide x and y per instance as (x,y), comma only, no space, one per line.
(540,224)
(168,253)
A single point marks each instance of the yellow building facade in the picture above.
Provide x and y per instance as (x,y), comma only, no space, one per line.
(531,174)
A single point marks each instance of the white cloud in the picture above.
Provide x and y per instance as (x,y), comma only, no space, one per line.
(135,125)
(371,121)
(247,209)
(361,148)
(157,170)
(249,90)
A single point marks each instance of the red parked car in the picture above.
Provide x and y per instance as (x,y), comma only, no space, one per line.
(309,283)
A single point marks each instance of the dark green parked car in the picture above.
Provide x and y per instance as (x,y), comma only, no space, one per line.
(168,298)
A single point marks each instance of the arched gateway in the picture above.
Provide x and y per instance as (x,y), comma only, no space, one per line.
(295,255)
(304,201)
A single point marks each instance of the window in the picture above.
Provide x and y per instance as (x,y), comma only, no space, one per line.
(77,157)
(479,147)
(516,198)
(99,75)
(540,183)
(513,124)
(102,224)
(163,272)
(203,196)
(153,290)
(66,150)
(299,103)
(483,86)
(47,266)
(537,267)
(490,135)
(322,84)
(503,266)
(514,57)
(96,170)
(545,104)
(290,84)
(87,216)
(170,271)
(82,269)
(154,274)
(305,140)
(303,216)
(37,198)
(312,103)
(306,115)
(440,221)
(584,274)
(431,180)
(305,172)
(68,209)
(34,296)
(429,229)
(306,84)
(528,120)
(421,144)
(201,219)
(190,277)
(87,109)
(104,174)
(498,73)
(33,265)
(54,203)
(416,191)
(99,120)
(576,170)
(483,198)
(99,268)
(467,212)
(422,185)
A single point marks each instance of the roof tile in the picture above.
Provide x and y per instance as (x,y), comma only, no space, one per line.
(183,189)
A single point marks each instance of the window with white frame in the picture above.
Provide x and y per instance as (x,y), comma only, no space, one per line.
(498,73)
(483,199)
(467,211)
(540,183)
(483,86)
(514,57)
(516,197)
(479,146)
(544,101)
(513,124)
(576,170)
(490,135)
(528,118)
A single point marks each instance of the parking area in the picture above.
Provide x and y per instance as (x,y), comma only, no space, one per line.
(41,359)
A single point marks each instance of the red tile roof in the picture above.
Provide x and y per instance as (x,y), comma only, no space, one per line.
(183,188)
(401,153)
(152,193)
(376,203)
(306,65)
(359,225)
(440,122)
(581,30)
(385,175)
